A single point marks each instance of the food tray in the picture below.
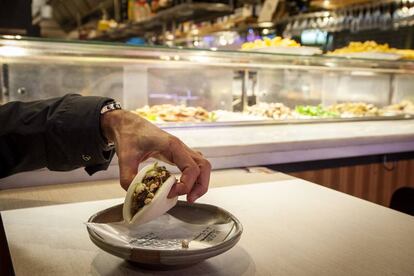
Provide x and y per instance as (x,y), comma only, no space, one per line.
(370,55)
(303,120)
(167,258)
(302,50)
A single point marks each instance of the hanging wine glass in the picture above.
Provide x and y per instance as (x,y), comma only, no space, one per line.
(367,20)
(386,19)
(376,15)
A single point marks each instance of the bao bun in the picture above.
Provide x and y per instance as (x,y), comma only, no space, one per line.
(159,205)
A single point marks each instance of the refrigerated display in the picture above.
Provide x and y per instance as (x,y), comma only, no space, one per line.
(186,87)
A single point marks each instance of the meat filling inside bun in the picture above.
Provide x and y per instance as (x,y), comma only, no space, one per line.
(147,196)
(145,190)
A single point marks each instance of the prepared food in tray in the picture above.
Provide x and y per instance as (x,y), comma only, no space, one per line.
(368,50)
(405,53)
(279,45)
(175,113)
(351,110)
(342,110)
(270,110)
(166,114)
(403,107)
(313,111)
(279,111)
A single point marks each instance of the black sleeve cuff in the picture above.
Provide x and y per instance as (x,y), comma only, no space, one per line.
(74,138)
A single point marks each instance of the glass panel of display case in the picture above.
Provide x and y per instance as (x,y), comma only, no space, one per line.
(403,89)
(228,86)
(290,87)
(172,93)
(210,88)
(299,87)
(363,88)
(39,81)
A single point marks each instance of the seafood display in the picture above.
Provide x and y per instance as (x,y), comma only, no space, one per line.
(353,109)
(403,107)
(304,111)
(272,111)
(182,114)
(175,113)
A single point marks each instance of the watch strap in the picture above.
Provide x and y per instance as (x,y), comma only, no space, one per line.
(110,107)
(107,108)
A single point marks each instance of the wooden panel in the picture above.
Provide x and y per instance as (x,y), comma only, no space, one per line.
(373,182)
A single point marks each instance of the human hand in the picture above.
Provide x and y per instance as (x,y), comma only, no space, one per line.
(136,140)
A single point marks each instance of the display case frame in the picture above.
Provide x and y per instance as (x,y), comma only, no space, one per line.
(17,50)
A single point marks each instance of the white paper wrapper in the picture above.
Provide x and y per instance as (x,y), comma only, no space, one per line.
(164,233)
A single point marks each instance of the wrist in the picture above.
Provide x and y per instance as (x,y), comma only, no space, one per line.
(109,122)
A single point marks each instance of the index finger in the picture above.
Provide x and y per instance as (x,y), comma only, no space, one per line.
(201,186)
(189,168)
(128,168)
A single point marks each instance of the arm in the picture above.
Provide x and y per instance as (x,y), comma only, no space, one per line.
(60,134)
(65,133)
(136,140)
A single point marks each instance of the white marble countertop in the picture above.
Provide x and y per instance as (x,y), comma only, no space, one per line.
(291,227)
(276,144)
(359,132)
(241,146)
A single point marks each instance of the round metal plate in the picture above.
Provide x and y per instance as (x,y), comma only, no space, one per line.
(167,259)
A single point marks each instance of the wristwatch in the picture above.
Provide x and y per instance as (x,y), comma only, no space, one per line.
(110,107)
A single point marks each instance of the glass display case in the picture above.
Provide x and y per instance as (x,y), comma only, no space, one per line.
(176,87)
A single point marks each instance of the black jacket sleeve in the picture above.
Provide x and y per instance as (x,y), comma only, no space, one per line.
(61,134)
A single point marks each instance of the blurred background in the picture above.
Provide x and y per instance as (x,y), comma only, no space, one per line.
(329,24)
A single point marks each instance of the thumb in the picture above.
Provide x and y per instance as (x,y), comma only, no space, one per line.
(128,168)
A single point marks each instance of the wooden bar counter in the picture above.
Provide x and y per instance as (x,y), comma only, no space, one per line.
(291,227)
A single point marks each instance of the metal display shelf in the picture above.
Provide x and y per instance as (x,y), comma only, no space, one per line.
(176,14)
(315,120)
(62,51)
